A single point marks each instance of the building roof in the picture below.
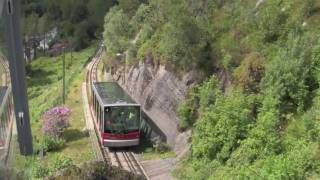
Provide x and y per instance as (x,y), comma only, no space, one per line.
(111,94)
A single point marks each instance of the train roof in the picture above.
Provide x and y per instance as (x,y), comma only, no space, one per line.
(111,94)
(3,91)
(3,97)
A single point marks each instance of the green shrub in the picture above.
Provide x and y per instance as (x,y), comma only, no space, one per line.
(118,31)
(187,116)
(272,20)
(39,170)
(249,74)
(286,76)
(222,127)
(60,162)
(187,110)
(51,144)
(226,61)
(208,92)
(198,99)
(159,146)
(131,55)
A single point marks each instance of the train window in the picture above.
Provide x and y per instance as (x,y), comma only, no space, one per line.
(107,116)
(122,119)
(101,122)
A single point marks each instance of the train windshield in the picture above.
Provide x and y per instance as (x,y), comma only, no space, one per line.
(121,119)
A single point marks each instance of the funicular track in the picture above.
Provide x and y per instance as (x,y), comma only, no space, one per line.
(123,158)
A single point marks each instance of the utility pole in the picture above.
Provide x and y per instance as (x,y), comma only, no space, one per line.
(12,16)
(63,77)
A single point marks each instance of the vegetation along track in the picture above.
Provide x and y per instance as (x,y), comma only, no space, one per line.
(123,158)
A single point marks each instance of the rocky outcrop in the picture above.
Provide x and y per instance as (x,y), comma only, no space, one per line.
(159,91)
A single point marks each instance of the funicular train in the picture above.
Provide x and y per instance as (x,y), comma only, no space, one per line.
(117,116)
(6,119)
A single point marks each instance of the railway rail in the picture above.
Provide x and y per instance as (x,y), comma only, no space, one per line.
(122,158)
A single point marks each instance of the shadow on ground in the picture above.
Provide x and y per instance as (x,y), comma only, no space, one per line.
(74,134)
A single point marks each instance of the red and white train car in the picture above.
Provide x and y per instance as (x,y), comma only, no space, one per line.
(117,115)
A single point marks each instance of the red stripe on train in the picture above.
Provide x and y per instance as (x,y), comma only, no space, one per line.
(131,135)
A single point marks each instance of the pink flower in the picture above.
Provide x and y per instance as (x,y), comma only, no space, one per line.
(55,120)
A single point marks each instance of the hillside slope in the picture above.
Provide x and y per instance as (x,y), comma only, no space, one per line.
(256,113)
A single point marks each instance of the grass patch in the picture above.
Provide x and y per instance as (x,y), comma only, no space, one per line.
(44,79)
(184,169)
(149,152)
(44,91)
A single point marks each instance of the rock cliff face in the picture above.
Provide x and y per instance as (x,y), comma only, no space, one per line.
(159,92)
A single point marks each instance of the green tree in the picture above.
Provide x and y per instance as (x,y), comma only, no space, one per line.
(129,7)
(222,127)
(97,10)
(286,76)
(250,72)
(117,31)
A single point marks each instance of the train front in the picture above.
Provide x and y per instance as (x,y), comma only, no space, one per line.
(121,125)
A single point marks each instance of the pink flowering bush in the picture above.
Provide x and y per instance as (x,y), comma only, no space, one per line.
(55,121)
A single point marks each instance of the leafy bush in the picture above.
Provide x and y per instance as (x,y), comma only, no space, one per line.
(292,71)
(182,41)
(118,31)
(222,127)
(272,20)
(51,144)
(160,146)
(55,120)
(226,60)
(249,74)
(208,93)
(60,162)
(187,110)
(39,170)
(94,170)
(198,99)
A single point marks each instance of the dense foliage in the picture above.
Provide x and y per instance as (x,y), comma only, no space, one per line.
(55,121)
(263,123)
(41,170)
(94,170)
(78,21)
